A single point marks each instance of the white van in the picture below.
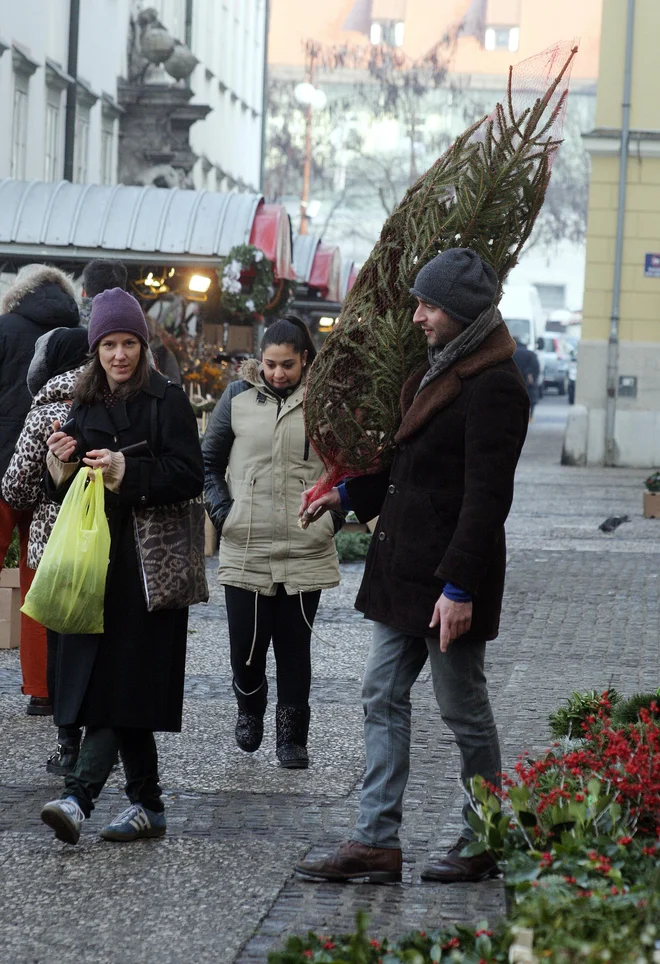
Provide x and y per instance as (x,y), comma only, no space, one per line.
(521,309)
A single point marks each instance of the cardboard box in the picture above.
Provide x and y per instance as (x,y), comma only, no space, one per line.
(10,609)
(652,505)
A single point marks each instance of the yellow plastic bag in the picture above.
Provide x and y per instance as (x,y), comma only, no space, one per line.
(68,590)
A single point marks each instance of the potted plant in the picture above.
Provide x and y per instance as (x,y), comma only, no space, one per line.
(10,598)
(652,497)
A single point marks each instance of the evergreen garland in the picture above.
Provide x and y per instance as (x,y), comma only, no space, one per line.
(484,193)
(248,288)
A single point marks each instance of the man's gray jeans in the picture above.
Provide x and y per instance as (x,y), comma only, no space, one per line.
(395,661)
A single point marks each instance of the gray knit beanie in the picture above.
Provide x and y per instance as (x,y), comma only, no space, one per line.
(459,282)
(115,310)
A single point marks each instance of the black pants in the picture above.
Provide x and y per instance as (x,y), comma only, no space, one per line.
(97,757)
(65,734)
(279,618)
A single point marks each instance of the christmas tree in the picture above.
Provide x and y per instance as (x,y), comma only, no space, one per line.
(484,193)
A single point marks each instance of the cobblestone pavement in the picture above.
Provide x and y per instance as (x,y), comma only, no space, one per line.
(581,610)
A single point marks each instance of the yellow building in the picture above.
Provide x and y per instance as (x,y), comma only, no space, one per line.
(631,434)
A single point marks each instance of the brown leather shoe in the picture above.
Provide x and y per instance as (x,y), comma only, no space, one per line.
(356,861)
(454,869)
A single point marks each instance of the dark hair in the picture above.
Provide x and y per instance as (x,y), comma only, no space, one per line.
(290,330)
(93,382)
(103,273)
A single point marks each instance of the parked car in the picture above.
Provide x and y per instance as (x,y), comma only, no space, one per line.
(556,353)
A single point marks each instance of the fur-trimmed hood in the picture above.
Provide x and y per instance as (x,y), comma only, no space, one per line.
(251,371)
(45,295)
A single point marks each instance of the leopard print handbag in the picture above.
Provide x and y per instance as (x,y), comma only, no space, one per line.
(170,550)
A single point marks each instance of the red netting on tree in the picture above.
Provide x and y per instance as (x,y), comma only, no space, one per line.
(484,193)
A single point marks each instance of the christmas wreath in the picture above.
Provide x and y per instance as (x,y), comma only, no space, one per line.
(247,283)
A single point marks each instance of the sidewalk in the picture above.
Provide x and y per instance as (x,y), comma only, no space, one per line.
(581,610)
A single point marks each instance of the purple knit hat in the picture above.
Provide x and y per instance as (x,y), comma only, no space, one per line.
(115,310)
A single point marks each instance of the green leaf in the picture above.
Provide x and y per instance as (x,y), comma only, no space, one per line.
(476,822)
(475,848)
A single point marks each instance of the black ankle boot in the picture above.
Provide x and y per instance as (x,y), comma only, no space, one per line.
(249,730)
(64,759)
(292,727)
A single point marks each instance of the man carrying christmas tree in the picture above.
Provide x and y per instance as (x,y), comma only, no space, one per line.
(434,575)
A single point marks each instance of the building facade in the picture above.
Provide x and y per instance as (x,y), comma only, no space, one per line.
(206,116)
(635,401)
(33,89)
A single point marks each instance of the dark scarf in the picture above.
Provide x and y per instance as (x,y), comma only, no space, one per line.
(443,357)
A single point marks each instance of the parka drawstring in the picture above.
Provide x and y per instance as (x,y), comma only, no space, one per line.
(247,541)
(310,627)
(254,635)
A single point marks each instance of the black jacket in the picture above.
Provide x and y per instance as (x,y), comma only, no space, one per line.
(41,309)
(443,503)
(133,674)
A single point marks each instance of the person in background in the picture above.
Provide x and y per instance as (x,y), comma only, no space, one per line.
(528,364)
(41,298)
(127,682)
(164,359)
(258,460)
(99,275)
(59,358)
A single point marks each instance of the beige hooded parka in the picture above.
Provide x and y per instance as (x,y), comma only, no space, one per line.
(258,460)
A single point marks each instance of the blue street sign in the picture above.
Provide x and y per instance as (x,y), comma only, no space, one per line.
(652,266)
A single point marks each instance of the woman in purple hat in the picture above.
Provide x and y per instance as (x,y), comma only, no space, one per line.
(122,685)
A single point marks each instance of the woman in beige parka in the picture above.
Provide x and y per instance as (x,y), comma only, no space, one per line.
(258,461)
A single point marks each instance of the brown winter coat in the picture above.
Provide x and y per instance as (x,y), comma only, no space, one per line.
(443,502)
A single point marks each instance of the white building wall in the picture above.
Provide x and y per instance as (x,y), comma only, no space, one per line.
(228,37)
(40,29)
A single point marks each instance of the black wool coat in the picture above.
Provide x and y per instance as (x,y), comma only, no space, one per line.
(37,312)
(443,502)
(133,674)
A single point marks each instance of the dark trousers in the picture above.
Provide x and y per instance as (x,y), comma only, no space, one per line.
(279,618)
(97,758)
(65,734)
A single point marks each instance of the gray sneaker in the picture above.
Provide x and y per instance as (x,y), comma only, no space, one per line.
(135,823)
(64,817)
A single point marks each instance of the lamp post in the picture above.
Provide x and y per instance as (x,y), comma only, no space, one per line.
(311,98)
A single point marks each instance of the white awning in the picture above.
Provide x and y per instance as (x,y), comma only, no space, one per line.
(57,220)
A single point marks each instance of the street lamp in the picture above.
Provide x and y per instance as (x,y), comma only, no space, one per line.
(311,98)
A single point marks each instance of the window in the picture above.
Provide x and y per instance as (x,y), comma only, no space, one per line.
(81,152)
(552,296)
(85,100)
(388,32)
(23,67)
(502,38)
(52,138)
(107,149)
(19,126)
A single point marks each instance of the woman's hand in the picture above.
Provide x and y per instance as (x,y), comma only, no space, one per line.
(61,445)
(312,511)
(111,464)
